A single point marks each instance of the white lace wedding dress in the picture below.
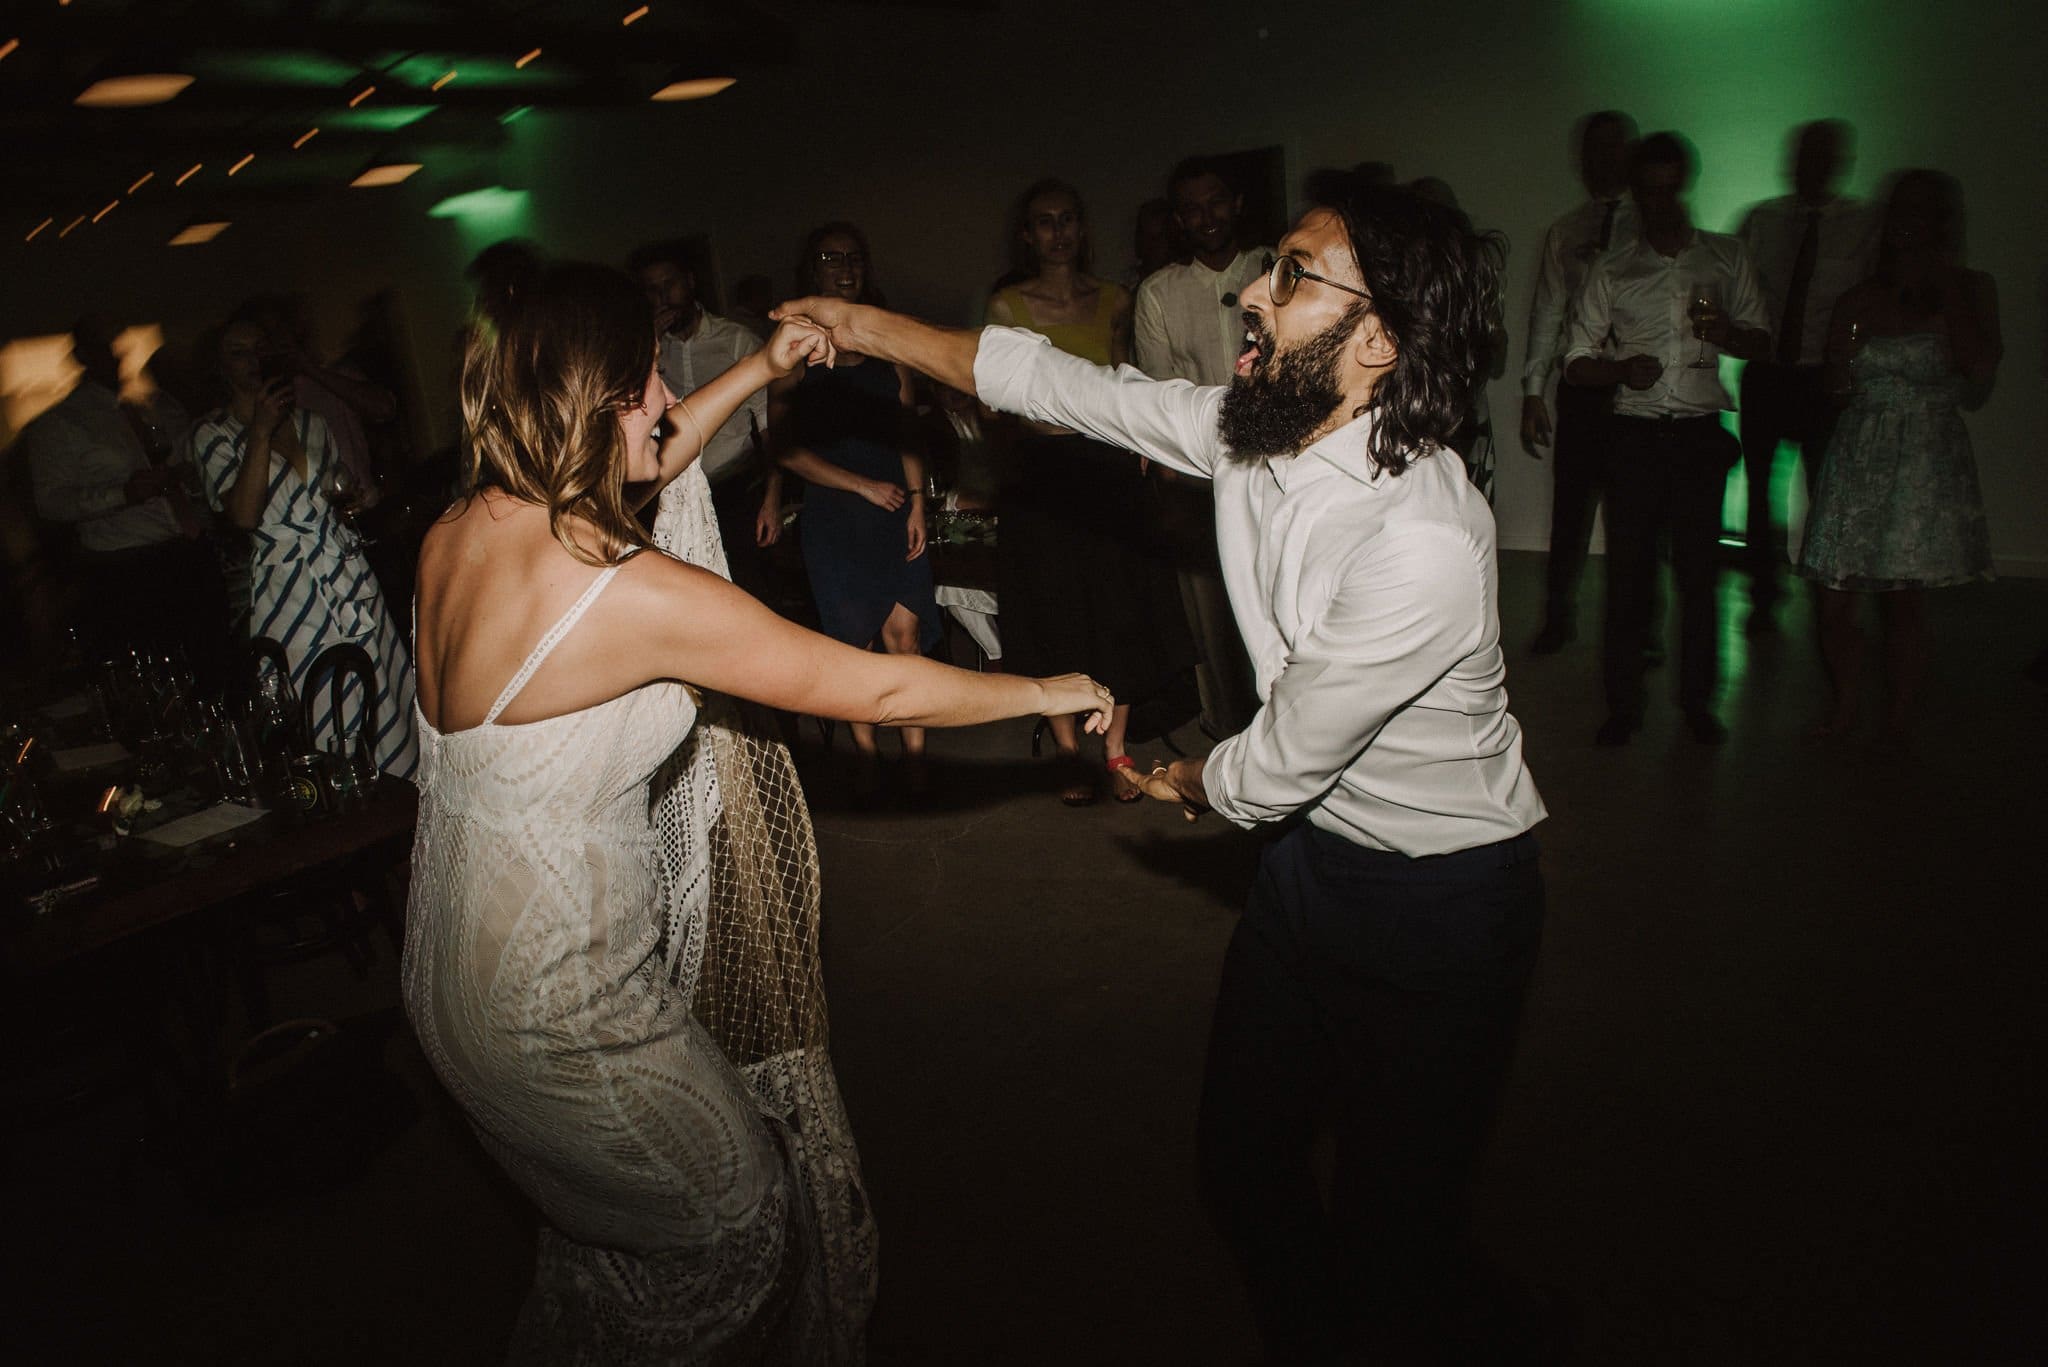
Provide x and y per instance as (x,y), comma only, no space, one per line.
(611,964)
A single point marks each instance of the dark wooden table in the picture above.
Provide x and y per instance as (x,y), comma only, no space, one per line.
(142,888)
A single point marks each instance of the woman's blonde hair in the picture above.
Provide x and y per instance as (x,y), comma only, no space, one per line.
(546,372)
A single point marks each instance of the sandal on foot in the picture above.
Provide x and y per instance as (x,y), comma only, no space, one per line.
(1123,779)
(1079,788)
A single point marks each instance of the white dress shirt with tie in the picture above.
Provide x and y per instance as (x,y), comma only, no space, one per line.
(1640,296)
(1181,327)
(689,363)
(1367,602)
(81,454)
(1845,232)
(1569,249)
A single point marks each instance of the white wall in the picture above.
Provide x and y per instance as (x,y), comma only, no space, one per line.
(922,125)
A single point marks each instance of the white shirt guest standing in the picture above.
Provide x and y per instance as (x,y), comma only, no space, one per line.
(1641,297)
(1632,329)
(690,362)
(82,456)
(1367,601)
(1809,248)
(1186,322)
(1845,247)
(1570,247)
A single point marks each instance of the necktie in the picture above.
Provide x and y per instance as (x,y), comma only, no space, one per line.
(1607,225)
(1792,327)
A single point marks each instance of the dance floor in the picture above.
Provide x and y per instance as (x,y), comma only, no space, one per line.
(1778,1098)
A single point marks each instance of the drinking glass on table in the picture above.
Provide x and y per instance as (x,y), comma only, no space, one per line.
(1703,307)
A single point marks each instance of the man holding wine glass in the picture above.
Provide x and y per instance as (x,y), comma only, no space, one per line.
(1655,317)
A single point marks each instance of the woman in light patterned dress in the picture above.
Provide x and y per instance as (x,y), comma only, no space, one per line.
(309,585)
(1897,509)
(613,1051)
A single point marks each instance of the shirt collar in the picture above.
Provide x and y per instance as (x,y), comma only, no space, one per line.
(1343,451)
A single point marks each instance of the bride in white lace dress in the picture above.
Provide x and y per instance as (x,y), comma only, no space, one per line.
(638,1038)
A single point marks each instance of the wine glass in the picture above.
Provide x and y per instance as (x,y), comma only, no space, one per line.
(1703,306)
(344,494)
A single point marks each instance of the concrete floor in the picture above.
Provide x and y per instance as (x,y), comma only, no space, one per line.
(1778,1099)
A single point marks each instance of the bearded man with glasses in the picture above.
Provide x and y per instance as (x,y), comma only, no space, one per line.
(1377,976)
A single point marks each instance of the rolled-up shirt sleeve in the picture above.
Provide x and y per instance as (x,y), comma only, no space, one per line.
(1406,610)
(1170,421)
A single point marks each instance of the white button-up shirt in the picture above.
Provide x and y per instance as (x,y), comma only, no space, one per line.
(1367,602)
(1181,326)
(1847,250)
(1640,295)
(81,453)
(1569,249)
(689,363)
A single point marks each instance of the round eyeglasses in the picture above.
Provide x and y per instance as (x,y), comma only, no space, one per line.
(1284,275)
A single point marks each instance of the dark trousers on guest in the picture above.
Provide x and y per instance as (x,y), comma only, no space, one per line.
(1666,478)
(1578,468)
(1381,995)
(1780,403)
(737,501)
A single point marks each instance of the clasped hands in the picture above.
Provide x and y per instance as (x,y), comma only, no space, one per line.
(1180,781)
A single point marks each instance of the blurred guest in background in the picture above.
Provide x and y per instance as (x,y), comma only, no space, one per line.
(1473,441)
(1186,325)
(1670,455)
(1808,247)
(1155,242)
(845,431)
(115,474)
(271,468)
(694,346)
(1604,220)
(1897,509)
(752,297)
(1080,587)
(343,397)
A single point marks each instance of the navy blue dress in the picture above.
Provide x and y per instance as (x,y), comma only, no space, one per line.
(853,550)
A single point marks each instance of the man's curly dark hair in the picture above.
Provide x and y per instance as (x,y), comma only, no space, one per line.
(1435,284)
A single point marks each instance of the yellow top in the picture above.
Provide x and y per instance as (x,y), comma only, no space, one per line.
(1089,340)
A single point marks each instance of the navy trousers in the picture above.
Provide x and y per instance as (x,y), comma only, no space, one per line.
(1380,995)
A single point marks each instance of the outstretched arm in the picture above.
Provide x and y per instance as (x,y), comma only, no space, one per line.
(1170,421)
(728,641)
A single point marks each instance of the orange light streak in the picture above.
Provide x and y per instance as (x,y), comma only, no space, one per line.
(246,159)
(147,177)
(189,174)
(526,61)
(32,233)
(305,138)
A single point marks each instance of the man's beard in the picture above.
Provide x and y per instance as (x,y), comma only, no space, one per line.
(1277,411)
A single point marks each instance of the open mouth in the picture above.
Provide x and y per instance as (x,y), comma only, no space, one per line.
(1256,347)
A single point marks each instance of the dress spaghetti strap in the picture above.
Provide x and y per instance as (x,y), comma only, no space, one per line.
(562,627)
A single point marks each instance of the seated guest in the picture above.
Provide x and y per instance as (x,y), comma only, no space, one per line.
(268,467)
(1078,589)
(148,580)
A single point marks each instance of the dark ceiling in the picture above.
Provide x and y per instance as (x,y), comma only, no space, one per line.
(268,71)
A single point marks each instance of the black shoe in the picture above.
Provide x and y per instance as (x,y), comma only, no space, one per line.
(1706,728)
(1554,637)
(1616,730)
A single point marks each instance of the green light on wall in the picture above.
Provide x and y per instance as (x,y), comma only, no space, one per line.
(376,120)
(487,215)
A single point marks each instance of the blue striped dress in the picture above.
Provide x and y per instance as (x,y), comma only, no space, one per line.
(309,585)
